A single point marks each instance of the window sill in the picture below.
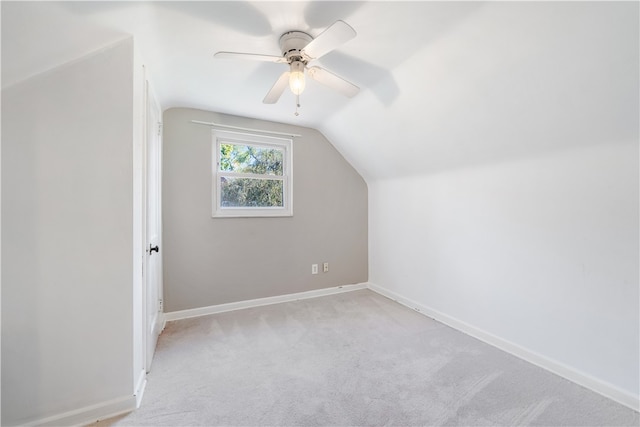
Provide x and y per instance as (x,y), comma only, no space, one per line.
(262,213)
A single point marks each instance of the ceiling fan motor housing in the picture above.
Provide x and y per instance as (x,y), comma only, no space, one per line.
(292,42)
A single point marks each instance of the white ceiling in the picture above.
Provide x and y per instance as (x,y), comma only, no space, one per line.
(443,84)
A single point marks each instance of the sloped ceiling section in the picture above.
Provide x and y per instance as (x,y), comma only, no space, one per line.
(504,80)
(443,84)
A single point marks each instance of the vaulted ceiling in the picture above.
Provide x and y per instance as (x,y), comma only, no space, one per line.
(443,84)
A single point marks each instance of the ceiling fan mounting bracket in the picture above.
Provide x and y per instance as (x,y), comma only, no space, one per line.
(291,44)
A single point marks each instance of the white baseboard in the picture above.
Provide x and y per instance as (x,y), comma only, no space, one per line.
(89,414)
(585,380)
(221,308)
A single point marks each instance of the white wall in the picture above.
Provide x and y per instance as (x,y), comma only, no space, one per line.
(67,226)
(541,252)
(503,177)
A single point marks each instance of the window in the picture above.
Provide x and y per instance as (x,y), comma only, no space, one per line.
(251,175)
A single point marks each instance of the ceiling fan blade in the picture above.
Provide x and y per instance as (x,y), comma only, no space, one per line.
(277,89)
(338,33)
(250,56)
(335,82)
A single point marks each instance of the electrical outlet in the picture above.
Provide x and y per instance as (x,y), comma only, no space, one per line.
(314,268)
(325,267)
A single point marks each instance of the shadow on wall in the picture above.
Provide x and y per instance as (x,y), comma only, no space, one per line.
(379,80)
(236,15)
(368,62)
(248,20)
(319,15)
(373,67)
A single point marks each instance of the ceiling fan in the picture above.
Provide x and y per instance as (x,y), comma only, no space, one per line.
(298,49)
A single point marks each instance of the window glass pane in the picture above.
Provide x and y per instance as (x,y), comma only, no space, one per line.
(249,192)
(250,159)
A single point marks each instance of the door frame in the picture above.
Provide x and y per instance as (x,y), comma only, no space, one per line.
(150,128)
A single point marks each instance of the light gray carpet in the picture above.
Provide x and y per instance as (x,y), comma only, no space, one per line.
(351,359)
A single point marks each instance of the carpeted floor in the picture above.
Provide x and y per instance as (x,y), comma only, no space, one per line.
(351,359)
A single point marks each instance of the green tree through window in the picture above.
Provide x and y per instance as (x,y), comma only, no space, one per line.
(250,159)
(243,191)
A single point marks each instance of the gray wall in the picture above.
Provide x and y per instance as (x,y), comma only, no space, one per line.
(211,261)
(67,260)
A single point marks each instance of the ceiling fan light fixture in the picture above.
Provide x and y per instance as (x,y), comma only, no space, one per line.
(296,77)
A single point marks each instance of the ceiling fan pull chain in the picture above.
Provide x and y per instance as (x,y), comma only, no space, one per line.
(297,104)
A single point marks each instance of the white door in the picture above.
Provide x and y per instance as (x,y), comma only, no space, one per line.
(154,229)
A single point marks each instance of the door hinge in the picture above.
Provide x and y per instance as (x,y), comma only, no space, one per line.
(160,306)
(159,128)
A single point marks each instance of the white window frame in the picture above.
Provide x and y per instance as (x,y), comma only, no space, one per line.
(256,140)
